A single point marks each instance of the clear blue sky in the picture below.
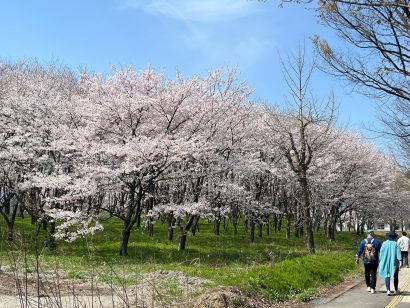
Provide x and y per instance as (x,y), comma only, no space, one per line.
(192,35)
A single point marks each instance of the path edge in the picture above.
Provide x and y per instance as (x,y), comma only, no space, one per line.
(331,298)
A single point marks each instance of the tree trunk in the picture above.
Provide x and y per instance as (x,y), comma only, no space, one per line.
(125,236)
(275,223)
(297,229)
(150,227)
(182,240)
(6,207)
(288,225)
(171,225)
(331,230)
(170,233)
(328,231)
(139,212)
(184,232)
(10,232)
(225,225)
(132,215)
(217,226)
(33,219)
(21,212)
(260,226)
(235,221)
(310,243)
(267,228)
(252,233)
(195,226)
(393,225)
(10,228)
(10,218)
(280,223)
(318,223)
(51,241)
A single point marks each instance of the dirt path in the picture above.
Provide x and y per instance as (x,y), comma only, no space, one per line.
(154,289)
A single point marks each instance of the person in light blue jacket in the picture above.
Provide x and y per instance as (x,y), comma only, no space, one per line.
(390,262)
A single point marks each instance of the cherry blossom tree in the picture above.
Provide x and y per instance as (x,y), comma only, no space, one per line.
(143,147)
(32,100)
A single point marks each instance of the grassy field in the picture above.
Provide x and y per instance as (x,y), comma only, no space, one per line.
(271,266)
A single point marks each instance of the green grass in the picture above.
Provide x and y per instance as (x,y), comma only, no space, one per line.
(271,266)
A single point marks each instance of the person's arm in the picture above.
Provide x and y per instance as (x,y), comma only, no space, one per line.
(378,247)
(359,251)
(400,242)
(398,255)
(382,251)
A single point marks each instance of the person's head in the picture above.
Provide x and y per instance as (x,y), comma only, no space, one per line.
(370,232)
(392,235)
(404,233)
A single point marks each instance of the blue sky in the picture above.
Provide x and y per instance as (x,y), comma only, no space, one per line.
(192,35)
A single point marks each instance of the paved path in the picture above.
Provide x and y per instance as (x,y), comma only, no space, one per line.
(357,295)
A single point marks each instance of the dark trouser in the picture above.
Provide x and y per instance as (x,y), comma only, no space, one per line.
(370,274)
(405,257)
(396,280)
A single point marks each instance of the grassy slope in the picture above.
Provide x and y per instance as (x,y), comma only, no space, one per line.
(271,266)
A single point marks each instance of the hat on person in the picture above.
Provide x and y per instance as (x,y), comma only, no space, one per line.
(392,235)
(370,231)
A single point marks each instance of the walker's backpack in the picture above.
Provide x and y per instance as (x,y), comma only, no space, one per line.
(369,250)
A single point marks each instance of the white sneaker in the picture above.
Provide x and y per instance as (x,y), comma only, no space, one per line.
(388,293)
(368,289)
(372,291)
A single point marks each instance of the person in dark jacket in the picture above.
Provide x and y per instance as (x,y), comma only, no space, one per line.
(370,249)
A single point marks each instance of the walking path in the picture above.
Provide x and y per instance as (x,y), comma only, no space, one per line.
(357,295)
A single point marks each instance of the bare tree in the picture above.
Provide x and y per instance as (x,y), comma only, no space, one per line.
(375,57)
(302,132)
